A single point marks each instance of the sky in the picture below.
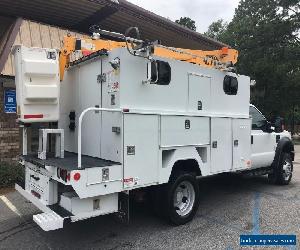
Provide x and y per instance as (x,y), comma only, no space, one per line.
(204,12)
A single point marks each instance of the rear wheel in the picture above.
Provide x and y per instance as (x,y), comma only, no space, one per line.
(181,198)
(284,173)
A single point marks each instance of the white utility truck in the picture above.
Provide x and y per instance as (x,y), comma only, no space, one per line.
(133,116)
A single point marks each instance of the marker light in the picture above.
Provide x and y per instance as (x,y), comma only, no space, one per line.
(76,176)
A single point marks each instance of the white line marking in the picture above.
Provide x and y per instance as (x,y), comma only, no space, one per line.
(10,205)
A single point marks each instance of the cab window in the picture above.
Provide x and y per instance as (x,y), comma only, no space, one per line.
(258,120)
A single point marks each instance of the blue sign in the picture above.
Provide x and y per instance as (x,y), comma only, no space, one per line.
(268,240)
(10,104)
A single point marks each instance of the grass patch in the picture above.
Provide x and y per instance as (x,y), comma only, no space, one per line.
(10,174)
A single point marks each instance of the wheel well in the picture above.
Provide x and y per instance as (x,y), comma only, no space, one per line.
(289,148)
(285,145)
(190,165)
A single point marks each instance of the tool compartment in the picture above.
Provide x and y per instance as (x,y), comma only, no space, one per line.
(37,84)
(41,186)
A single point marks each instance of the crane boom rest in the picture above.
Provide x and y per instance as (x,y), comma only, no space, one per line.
(221,59)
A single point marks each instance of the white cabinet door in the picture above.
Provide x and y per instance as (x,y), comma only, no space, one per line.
(199,93)
(221,145)
(184,131)
(111,124)
(141,150)
(241,131)
(90,96)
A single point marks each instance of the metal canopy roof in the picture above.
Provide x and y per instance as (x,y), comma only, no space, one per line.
(78,15)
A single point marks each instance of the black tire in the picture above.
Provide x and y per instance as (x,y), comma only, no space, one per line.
(180,180)
(282,175)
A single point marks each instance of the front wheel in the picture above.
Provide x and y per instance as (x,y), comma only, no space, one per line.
(182,198)
(284,173)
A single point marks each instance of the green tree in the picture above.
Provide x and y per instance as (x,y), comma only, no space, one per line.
(187,22)
(266,33)
(217,29)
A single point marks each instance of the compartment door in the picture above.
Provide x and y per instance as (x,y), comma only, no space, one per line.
(221,145)
(140,150)
(90,96)
(241,131)
(199,93)
(111,123)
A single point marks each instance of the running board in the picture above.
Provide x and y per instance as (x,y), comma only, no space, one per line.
(49,221)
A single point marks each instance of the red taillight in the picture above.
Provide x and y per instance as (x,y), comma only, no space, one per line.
(126,110)
(33,116)
(76,176)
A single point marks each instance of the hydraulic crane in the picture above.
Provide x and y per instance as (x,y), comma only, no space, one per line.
(221,59)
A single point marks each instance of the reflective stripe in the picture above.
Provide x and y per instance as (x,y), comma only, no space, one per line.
(33,116)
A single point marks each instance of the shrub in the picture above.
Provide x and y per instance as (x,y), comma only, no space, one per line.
(10,174)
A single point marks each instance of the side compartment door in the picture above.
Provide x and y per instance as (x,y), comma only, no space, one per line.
(221,145)
(90,96)
(241,134)
(199,92)
(111,123)
(141,149)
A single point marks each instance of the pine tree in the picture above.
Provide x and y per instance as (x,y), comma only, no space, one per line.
(266,33)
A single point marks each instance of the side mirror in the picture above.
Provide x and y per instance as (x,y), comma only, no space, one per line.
(278,125)
(268,127)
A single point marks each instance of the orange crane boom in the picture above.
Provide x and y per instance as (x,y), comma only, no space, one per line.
(210,59)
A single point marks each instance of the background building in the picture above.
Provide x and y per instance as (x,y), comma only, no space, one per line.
(31,34)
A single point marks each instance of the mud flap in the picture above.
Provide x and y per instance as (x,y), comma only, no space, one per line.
(123,213)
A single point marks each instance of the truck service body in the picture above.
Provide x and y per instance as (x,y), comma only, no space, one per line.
(128,121)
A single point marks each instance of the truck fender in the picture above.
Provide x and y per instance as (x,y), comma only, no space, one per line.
(181,155)
(285,145)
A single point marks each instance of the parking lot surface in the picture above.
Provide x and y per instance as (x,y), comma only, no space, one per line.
(230,206)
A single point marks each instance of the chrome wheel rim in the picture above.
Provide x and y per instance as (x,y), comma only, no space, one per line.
(184,198)
(287,170)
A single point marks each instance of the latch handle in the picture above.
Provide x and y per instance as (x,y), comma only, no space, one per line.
(34,177)
(97,111)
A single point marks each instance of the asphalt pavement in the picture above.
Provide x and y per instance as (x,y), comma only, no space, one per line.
(230,206)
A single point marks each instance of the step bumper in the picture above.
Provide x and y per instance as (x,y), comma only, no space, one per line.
(49,220)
